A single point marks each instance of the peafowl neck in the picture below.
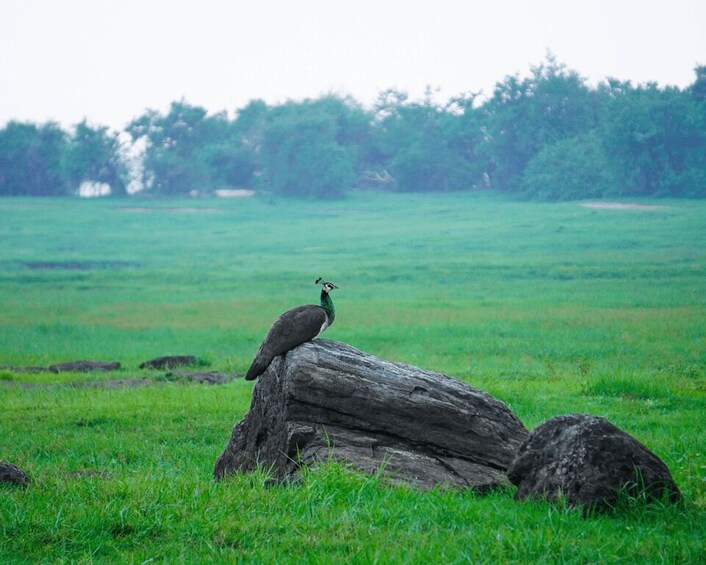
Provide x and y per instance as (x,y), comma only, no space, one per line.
(327,305)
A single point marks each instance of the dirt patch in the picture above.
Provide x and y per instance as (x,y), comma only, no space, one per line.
(85,366)
(171,209)
(621,206)
(209,377)
(177,377)
(11,369)
(120,383)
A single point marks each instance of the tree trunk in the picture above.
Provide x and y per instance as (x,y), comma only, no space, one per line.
(325,400)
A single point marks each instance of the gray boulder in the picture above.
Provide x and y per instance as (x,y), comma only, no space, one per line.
(325,400)
(589,461)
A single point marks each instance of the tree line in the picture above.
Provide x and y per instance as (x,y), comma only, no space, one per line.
(547,136)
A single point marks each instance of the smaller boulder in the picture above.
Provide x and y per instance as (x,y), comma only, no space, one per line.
(84,366)
(589,461)
(169,362)
(12,474)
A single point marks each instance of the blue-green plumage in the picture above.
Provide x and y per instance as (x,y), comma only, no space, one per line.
(327,305)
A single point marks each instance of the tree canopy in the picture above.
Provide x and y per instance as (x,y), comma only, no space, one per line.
(548,135)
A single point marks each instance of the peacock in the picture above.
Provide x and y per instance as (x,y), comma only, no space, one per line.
(294,327)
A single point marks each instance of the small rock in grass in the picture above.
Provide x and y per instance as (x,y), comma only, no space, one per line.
(169,362)
(12,474)
(589,461)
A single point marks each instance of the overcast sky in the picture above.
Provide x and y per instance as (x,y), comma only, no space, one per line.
(110,60)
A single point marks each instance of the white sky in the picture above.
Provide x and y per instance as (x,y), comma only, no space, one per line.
(110,60)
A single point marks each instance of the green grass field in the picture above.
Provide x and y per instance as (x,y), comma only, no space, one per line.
(553,308)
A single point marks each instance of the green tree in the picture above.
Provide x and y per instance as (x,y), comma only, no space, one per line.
(698,89)
(427,163)
(31,160)
(425,146)
(243,154)
(525,115)
(94,154)
(307,150)
(656,138)
(464,131)
(182,148)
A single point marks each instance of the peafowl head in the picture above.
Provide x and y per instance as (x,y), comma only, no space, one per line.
(326,286)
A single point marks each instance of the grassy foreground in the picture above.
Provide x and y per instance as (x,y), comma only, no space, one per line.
(553,308)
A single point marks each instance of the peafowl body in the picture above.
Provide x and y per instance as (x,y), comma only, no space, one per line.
(294,327)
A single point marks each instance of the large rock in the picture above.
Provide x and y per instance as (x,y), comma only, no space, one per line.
(12,474)
(325,400)
(589,461)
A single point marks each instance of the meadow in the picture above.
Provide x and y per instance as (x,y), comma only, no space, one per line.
(553,308)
